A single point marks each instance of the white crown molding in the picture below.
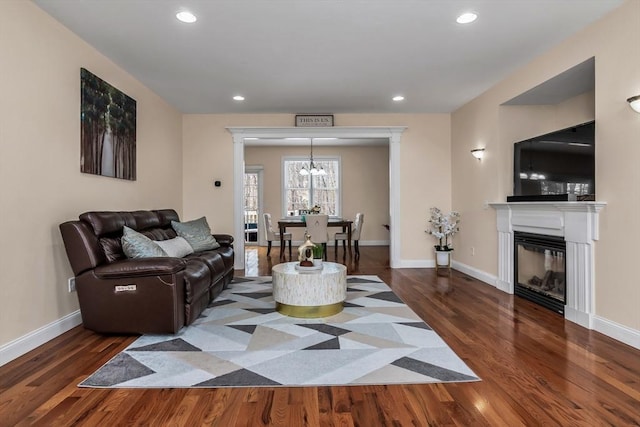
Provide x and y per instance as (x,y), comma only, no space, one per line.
(309,132)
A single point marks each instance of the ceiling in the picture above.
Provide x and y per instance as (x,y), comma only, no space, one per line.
(330,56)
(578,79)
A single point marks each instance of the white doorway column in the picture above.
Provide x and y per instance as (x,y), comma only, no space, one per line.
(392,133)
(394,200)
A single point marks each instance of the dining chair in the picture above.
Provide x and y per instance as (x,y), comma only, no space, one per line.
(355,235)
(317,229)
(272,235)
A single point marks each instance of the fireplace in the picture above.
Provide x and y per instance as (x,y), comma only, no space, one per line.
(540,269)
(574,222)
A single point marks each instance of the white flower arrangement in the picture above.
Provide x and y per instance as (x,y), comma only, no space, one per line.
(443,226)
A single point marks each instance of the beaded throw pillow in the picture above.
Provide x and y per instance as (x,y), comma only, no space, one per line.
(197,233)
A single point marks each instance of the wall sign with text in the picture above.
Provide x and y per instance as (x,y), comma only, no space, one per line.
(314,120)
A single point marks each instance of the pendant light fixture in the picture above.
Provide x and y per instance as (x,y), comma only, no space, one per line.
(313,169)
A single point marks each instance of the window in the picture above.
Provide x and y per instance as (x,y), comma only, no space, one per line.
(306,191)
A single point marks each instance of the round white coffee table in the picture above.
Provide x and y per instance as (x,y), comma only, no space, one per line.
(309,294)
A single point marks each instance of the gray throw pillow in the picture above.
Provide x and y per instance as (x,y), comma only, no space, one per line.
(197,233)
(177,247)
(136,245)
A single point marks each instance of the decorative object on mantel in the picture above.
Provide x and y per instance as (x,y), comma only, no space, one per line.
(634,102)
(313,169)
(442,227)
(314,120)
(107,130)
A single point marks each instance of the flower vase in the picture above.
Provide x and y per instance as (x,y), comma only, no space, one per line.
(317,262)
(443,259)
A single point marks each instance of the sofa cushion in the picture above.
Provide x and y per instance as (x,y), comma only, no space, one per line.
(166,216)
(137,245)
(213,260)
(197,232)
(197,280)
(140,267)
(177,247)
(227,256)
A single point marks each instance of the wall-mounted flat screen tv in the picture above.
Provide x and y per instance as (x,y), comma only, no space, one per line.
(556,166)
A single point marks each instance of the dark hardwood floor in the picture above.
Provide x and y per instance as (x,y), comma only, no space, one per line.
(536,369)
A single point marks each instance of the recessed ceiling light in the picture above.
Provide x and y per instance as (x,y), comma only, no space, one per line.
(398,98)
(466,18)
(238,98)
(187,17)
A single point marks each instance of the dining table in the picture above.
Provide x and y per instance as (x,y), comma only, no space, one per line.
(285,223)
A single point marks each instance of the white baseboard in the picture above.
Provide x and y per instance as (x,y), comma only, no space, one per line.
(18,347)
(415,263)
(475,273)
(607,327)
(374,243)
(578,317)
(331,243)
(617,331)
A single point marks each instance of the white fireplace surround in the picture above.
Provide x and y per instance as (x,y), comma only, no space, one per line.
(577,222)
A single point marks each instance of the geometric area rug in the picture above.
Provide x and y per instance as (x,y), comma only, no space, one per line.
(241,341)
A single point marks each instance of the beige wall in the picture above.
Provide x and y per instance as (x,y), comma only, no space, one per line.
(365,183)
(425,175)
(40,180)
(613,43)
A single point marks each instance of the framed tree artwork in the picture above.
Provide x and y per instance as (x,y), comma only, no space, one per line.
(108,129)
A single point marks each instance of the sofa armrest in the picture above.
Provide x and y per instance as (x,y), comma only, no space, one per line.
(224,239)
(140,267)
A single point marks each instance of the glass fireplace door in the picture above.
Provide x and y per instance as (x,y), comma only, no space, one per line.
(540,269)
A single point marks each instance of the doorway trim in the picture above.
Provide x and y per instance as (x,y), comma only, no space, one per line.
(392,133)
(260,171)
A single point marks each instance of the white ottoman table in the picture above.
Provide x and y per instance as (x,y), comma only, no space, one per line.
(309,294)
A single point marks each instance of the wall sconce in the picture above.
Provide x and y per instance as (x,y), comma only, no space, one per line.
(634,102)
(478,153)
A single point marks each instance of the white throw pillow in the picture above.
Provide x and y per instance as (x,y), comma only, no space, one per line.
(177,247)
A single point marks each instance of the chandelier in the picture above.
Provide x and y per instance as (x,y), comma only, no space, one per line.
(313,169)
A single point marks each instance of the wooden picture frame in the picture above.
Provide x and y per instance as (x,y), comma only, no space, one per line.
(107,129)
(314,120)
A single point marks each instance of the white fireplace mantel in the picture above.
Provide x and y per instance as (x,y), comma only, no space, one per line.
(577,222)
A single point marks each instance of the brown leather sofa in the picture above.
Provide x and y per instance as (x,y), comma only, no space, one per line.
(149,295)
